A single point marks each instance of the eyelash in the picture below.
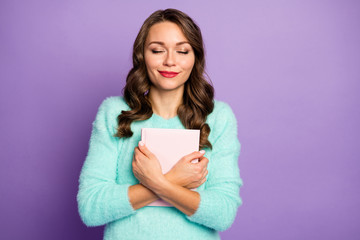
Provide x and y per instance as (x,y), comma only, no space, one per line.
(156,52)
(181,52)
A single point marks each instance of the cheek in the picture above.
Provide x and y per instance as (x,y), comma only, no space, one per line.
(150,66)
(187,64)
(152,61)
(147,61)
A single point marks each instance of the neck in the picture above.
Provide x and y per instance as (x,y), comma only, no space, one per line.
(165,103)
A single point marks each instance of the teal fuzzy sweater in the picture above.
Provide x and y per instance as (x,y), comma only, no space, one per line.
(107,174)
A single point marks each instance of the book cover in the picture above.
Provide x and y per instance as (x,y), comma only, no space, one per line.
(169,146)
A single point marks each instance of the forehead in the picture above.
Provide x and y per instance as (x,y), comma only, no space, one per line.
(167,32)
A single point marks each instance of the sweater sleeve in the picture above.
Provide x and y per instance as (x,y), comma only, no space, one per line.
(100,199)
(220,198)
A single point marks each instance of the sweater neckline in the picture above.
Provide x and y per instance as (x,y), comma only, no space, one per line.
(160,118)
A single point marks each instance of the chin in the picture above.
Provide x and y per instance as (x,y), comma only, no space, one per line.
(169,87)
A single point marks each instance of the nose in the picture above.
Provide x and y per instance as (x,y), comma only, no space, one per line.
(169,59)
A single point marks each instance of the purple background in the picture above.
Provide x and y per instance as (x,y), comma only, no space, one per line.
(289,69)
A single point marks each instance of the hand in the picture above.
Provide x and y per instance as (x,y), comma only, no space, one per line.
(187,174)
(146,167)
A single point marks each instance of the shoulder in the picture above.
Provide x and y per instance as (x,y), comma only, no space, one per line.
(222,112)
(222,119)
(113,104)
(109,110)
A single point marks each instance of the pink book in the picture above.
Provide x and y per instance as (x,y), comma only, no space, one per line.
(169,146)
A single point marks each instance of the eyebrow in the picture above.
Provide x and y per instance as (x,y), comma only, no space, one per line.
(162,43)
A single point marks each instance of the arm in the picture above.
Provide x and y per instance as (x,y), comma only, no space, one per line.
(140,196)
(100,198)
(185,200)
(220,199)
(215,206)
(182,174)
(173,186)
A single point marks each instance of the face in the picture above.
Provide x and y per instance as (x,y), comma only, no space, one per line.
(169,57)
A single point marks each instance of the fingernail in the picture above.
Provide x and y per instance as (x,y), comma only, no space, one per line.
(141,143)
(202,151)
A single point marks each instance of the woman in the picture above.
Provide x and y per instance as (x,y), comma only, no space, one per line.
(120,176)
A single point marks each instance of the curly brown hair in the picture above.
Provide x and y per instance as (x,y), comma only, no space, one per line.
(198,97)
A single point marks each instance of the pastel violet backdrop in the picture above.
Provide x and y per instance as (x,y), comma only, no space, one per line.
(289,69)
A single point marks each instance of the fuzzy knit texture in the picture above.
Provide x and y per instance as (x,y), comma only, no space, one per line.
(107,174)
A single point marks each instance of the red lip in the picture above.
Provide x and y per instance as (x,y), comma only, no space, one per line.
(168,74)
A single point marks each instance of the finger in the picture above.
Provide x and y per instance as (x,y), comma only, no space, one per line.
(202,181)
(145,150)
(203,176)
(204,161)
(137,152)
(138,155)
(204,170)
(206,173)
(135,169)
(194,156)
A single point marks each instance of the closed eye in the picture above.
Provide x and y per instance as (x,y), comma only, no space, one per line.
(154,51)
(183,52)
